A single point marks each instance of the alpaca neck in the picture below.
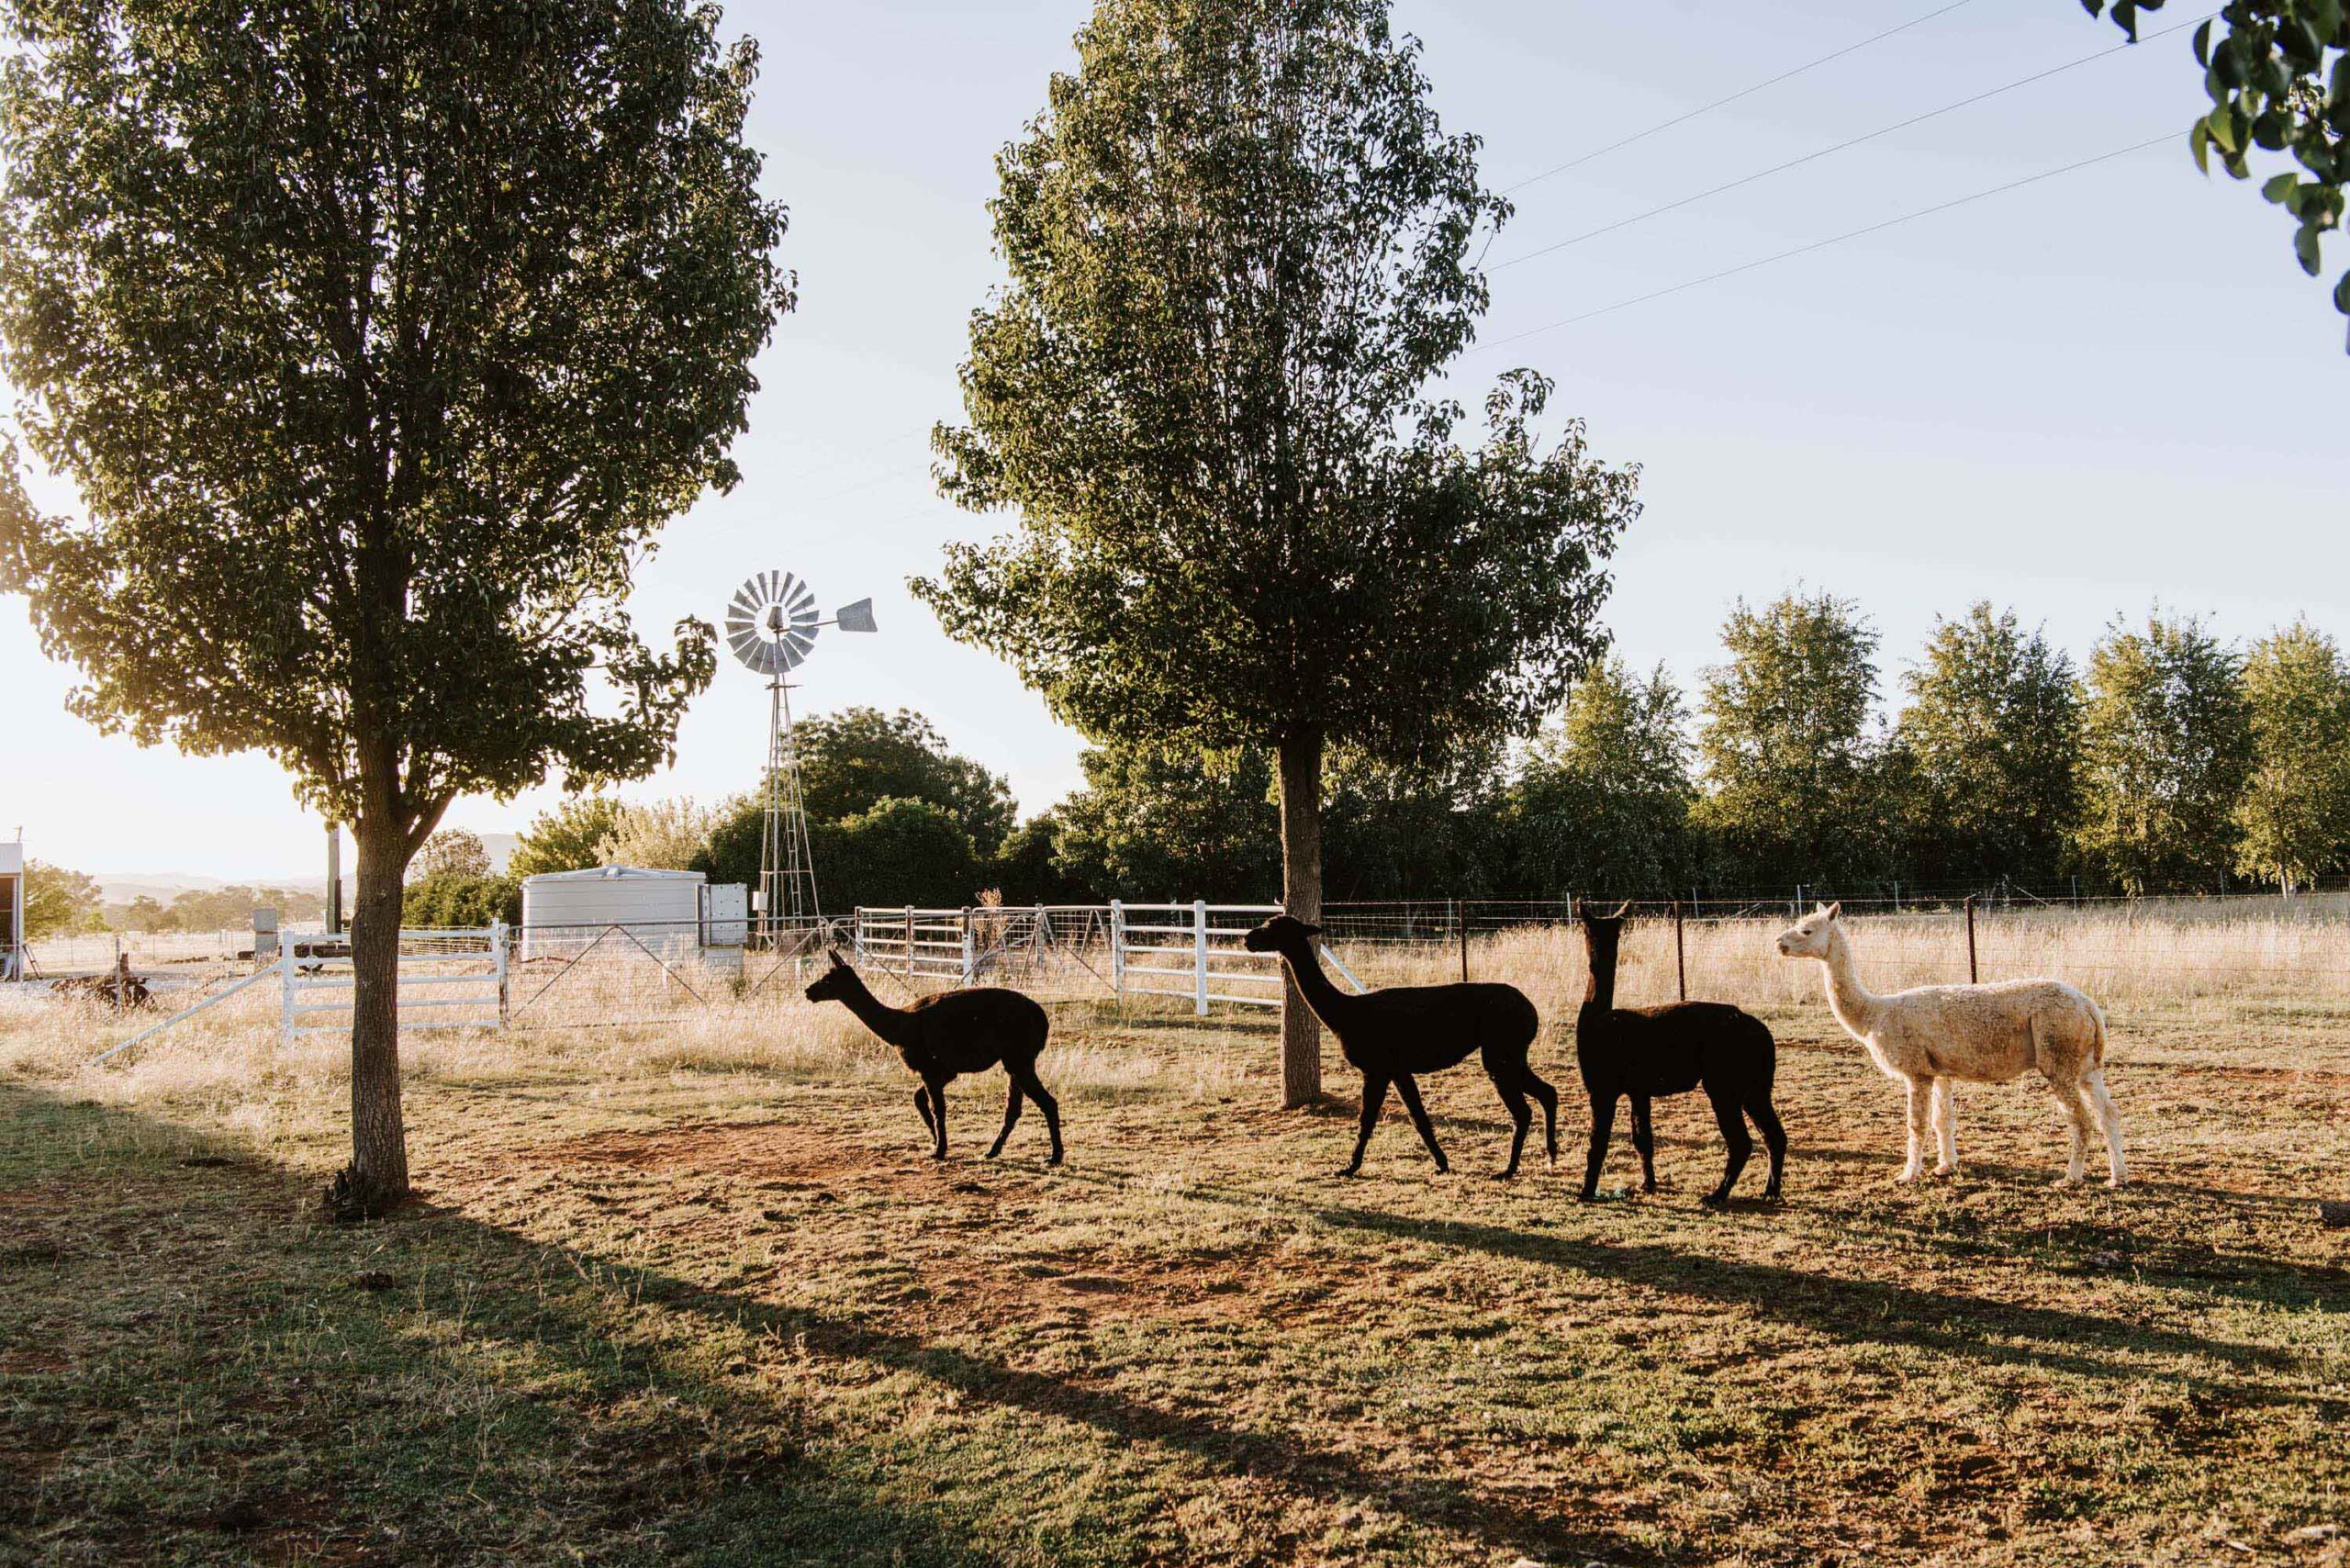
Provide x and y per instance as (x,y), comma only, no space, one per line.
(1327,1000)
(1599,991)
(872,1012)
(1852,1001)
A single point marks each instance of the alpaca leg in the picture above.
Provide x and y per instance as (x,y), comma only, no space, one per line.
(2109,1122)
(1774,1140)
(938,1120)
(1945,1119)
(1010,1117)
(1740,1142)
(1374,1094)
(1644,1140)
(1409,1093)
(1548,1098)
(1034,1087)
(1603,1121)
(1916,1109)
(922,1104)
(2069,1100)
(1521,1116)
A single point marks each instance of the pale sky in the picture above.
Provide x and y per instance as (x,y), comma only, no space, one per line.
(2075,397)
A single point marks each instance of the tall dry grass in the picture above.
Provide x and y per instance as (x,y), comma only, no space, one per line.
(631,1018)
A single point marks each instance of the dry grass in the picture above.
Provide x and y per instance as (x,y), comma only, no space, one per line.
(688,1292)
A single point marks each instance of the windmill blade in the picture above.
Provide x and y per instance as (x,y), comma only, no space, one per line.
(858,617)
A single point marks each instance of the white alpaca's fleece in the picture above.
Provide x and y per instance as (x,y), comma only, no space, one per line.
(1934,1035)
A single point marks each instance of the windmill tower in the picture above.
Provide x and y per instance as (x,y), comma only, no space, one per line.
(771,624)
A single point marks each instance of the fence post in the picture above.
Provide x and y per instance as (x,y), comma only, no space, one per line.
(1680,955)
(1794,910)
(1464,943)
(1118,949)
(856,931)
(498,948)
(968,954)
(1200,956)
(1970,973)
(285,996)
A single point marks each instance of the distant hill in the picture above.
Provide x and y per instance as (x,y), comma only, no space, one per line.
(161,886)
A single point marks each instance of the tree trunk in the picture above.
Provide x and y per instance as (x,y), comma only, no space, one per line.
(1301,765)
(377,1179)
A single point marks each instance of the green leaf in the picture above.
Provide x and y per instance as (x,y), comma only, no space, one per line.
(2305,247)
(2280,187)
(2203,44)
(2342,295)
(2222,124)
(2199,141)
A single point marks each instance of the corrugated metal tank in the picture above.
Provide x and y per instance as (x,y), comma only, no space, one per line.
(562,911)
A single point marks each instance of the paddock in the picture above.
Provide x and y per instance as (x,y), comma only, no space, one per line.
(692,1289)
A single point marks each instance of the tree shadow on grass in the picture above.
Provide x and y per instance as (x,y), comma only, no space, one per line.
(552,1422)
(1855,1311)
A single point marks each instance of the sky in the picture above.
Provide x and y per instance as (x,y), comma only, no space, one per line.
(2079,398)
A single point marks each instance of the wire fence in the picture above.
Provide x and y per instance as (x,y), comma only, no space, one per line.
(2283,962)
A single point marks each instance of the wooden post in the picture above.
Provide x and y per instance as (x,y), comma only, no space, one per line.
(909,946)
(1464,944)
(1971,976)
(1680,955)
(969,958)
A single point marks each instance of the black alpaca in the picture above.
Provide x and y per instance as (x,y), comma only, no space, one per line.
(1390,1035)
(1645,1052)
(944,1036)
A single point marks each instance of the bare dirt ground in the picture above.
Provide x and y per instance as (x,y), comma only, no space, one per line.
(718,1314)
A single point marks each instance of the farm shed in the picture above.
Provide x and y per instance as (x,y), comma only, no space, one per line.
(12,910)
(564,911)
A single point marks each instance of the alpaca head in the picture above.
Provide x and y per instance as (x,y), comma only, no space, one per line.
(1283,932)
(834,983)
(1811,936)
(1602,932)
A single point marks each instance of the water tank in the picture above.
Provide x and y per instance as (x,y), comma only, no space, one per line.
(564,912)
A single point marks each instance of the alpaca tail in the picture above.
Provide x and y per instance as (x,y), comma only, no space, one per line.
(2097,1044)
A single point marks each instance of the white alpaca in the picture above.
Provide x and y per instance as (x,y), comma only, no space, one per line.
(1933,1035)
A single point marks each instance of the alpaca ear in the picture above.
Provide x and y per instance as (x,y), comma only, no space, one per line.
(1310,930)
(1622,910)
(1834,910)
(835,955)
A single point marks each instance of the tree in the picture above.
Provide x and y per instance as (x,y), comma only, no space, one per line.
(901,852)
(2165,750)
(379,342)
(460,901)
(1601,802)
(58,901)
(569,838)
(1785,744)
(453,851)
(1993,730)
(1029,869)
(1238,245)
(1161,823)
(2278,80)
(1418,832)
(666,835)
(853,760)
(2295,813)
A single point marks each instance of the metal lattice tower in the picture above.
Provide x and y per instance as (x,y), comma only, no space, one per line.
(771,624)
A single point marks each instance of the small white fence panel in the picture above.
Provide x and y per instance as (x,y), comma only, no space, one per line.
(462,972)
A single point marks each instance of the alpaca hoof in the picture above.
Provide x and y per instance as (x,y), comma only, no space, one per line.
(1053,1159)
(2115,1183)
(1905,1178)
(1586,1196)
(1770,1195)
(1349,1173)
(992,1153)
(1714,1201)
(1944,1172)
(2063,1181)
(1648,1186)
(1508,1175)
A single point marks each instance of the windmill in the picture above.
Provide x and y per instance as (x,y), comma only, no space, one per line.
(771,624)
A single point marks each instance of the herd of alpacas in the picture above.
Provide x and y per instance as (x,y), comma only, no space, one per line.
(1926,1039)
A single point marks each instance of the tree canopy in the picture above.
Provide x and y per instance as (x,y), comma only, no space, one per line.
(1238,246)
(2279,78)
(2295,815)
(379,342)
(570,838)
(852,760)
(2166,749)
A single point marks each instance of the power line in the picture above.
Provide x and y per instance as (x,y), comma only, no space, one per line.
(1742,92)
(1833,240)
(1842,146)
